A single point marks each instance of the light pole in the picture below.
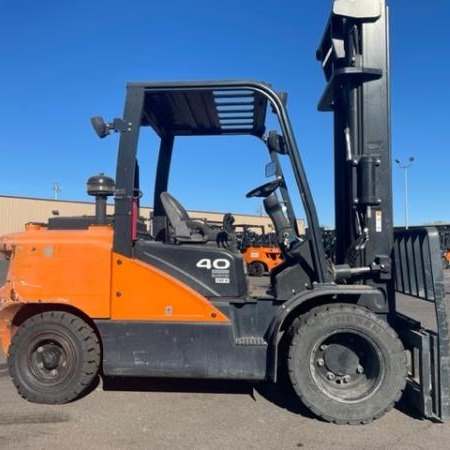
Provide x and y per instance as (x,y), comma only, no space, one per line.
(405,167)
(56,189)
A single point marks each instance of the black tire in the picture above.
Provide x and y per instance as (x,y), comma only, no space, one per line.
(53,358)
(257,269)
(346,365)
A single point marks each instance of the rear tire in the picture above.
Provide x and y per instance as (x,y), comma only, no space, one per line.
(346,365)
(53,358)
(257,269)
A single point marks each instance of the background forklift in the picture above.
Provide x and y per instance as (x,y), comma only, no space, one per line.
(260,250)
(99,294)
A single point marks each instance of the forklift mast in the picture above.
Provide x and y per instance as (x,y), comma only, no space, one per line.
(354,54)
(354,57)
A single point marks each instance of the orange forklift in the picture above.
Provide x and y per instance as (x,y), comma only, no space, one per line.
(261,253)
(444,232)
(446,258)
(100,295)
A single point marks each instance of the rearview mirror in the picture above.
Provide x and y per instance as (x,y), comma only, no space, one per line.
(100,126)
(275,142)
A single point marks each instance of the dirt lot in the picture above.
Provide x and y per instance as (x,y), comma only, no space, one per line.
(176,414)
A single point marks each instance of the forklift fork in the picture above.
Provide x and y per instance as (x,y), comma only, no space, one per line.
(418,274)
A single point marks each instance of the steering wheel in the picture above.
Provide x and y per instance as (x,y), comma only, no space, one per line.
(265,189)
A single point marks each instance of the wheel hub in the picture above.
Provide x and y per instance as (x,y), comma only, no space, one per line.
(346,366)
(50,360)
(49,357)
(340,360)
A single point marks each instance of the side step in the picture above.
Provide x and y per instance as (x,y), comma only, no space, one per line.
(251,340)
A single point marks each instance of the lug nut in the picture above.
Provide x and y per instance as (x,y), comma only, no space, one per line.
(323,347)
(360,369)
(346,379)
(40,349)
(330,376)
(320,362)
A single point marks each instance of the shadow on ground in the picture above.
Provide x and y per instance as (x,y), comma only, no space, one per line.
(140,384)
(280,395)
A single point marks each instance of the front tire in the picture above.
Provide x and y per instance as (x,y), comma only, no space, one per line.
(346,365)
(53,358)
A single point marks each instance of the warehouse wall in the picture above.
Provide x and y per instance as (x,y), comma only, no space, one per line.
(15,212)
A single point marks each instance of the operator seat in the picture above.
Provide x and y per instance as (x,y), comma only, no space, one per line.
(184,229)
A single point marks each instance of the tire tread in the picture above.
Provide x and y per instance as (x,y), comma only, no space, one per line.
(90,356)
(318,314)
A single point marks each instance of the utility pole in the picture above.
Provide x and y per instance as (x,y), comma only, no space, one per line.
(405,167)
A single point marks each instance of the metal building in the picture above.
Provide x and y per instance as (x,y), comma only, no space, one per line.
(15,212)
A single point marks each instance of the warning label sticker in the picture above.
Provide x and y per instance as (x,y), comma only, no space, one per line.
(378,221)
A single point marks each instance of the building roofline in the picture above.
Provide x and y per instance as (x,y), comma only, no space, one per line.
(18,197)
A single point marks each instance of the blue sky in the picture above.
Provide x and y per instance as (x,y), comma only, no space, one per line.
(63,62)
